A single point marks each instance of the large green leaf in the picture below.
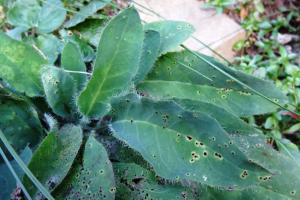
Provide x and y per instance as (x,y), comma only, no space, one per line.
(183,75)
(172,33)
(20,124)
(60,90)
(20,66)
(116,64)
(285,170)
(53,159)
(86,11)
(182,147)
(71,59)
(149,55)
(135,182)
(230,100)
(90,178)
(229,122)
(188,68)
(30,14)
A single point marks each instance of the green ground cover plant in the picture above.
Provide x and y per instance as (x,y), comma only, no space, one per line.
(94,106)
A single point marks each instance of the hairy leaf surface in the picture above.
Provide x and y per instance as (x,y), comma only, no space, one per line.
(53,159)
(232,101)
(182,147)
(91,178)
(20,66)
(60,90)
(149,55)
(135,182)
(116,63)
(71,59)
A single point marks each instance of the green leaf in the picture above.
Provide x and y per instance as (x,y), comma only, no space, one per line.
(86,12)
(71,59)
(20,66)
(30,14)
(284,180)
(135,182)
(91,30)
(149,55)
(116,64)
(230,100)
(24,13)
(172,33)
(90,178)
(60,90)
(185,67)
(50,45)
(20,124)
(51,16)
(184,76)
(53,159)
(229,122)
(181,147)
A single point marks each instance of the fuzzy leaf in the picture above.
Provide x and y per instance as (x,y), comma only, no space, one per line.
(187,68)
(91,178)
(182,147)
(59,88)
(172,33)
(50,45)
(20,66)
(230,100)
(71,59)
(20,124)
(149,55)
(53,159)
(116,64)
(135,182)
(284,169)
(229,122)
(86,11)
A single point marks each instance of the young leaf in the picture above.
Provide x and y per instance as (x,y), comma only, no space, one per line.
(90,178)
(182,147)
(149,55)
(20,66)
(71,59)
(53,159)
(59,88)
(116,63)
(172,33)
(20,124)
(230,100)
(135,182)
(86,11)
